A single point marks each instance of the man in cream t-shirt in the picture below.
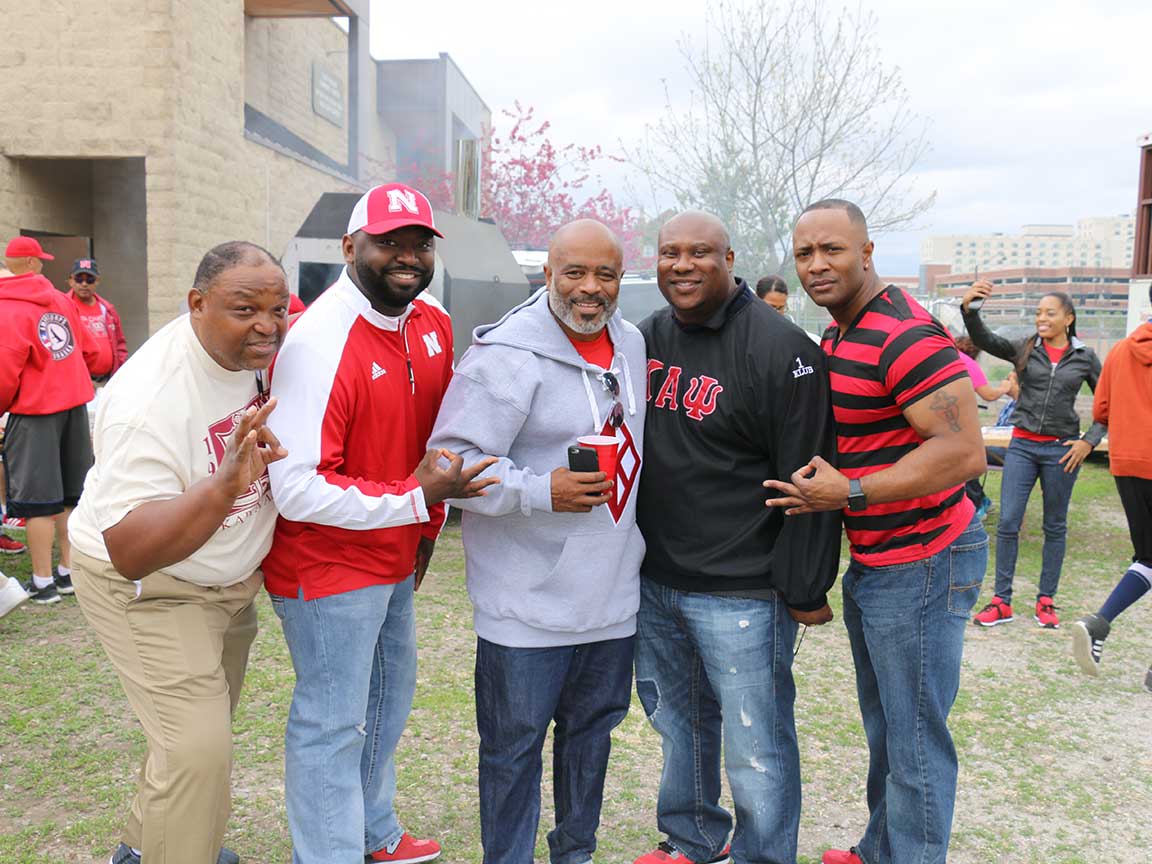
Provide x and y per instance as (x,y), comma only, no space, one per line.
(168,537)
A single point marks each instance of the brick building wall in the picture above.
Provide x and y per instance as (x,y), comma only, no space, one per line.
(166,83)
(279,54)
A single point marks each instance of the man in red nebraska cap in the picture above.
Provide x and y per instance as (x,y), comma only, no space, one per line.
(44,386)
(100,318)
(359,382)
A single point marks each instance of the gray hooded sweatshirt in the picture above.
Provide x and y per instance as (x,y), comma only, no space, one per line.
(524,394)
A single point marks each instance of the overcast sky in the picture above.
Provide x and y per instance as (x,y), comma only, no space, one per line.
(1034,109)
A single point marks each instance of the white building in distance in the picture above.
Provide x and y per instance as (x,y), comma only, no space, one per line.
(1096,242)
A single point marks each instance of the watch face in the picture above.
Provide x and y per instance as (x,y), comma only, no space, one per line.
(856,499)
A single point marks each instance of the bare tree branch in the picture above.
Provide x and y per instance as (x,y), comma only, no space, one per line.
(791,102)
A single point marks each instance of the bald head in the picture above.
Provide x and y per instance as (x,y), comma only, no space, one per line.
(585,234)
(20,266)
(855,214)
(585,264)
(698,223)
(694,265)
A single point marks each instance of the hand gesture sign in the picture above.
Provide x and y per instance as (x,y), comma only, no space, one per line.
(815,487)
(454,481)
(249,452)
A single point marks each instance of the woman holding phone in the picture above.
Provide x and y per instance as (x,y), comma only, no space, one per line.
(1051,366)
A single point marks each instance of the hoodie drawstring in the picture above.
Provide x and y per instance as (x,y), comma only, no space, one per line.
(628,384)
(596,424)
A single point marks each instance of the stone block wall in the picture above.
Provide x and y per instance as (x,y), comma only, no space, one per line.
(278,57)
(165,82)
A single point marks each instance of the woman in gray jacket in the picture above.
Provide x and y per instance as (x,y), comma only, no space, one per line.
(1051,365)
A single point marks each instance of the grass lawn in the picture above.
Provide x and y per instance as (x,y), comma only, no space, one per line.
(1054,767)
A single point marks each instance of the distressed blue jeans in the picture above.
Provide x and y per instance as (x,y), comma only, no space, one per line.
(355,660)
(713,669)
(906,626)
(1025,463)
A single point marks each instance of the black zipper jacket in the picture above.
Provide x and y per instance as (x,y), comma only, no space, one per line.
(1047,403)
(740,399)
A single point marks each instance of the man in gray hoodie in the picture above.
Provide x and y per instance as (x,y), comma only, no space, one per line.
(552,556)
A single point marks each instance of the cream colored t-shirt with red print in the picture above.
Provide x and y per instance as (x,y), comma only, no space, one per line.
(163,423)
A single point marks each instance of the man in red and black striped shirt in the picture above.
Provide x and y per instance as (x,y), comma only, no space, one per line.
(908,439)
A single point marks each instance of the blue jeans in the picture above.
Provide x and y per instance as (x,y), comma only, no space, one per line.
(355,660)
(906,626)
(1023,464)
(711,668)
(519,692)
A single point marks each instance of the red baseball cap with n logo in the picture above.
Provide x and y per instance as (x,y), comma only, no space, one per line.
(26,247)
(385,208)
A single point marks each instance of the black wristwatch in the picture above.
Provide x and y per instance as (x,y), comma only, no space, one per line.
(856,499)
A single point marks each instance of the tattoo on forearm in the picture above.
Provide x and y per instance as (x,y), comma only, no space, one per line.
(945,405)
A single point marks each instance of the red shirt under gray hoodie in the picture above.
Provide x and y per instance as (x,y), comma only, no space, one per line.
(43,349)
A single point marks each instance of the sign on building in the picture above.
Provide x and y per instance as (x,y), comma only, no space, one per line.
(327,95)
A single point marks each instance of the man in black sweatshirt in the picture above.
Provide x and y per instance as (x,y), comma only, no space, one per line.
(737,393)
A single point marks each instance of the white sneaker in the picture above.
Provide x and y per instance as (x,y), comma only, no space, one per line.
(12,594)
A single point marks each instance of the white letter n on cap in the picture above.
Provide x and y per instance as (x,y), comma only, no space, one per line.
(401,199)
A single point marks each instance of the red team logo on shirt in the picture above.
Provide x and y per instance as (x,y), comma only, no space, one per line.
(219,434)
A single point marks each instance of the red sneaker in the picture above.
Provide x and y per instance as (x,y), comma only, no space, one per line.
(16,523)
(839,856)
(407,850)
(1046,614)
(666,853)
(996,612)
(10,546)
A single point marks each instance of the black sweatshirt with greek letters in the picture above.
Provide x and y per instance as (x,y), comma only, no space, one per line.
(732,402)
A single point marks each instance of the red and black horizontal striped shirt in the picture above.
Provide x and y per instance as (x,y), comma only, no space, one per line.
(892,355)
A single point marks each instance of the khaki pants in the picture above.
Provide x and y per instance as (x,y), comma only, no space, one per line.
(180,651)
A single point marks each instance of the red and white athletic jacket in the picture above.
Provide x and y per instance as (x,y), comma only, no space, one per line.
(357,395)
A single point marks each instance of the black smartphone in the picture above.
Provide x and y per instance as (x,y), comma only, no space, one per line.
(582,459)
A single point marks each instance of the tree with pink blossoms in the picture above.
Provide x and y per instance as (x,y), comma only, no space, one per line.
(531,186)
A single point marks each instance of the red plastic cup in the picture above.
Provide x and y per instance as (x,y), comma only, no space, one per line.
(607,452)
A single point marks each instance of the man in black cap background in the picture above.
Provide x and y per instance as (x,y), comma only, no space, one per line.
(100,318)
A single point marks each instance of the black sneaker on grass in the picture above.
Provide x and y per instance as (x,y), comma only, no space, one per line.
(64,584)
(125,855)
(1088,635)
(43,596)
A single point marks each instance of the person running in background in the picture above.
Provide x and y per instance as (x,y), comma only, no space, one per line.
(1052,365)
(1124,404)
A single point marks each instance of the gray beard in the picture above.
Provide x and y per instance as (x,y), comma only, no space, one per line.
(564,312)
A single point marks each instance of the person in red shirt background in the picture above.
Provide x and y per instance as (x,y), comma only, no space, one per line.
(1052,364)
(100,318)
(44,385)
